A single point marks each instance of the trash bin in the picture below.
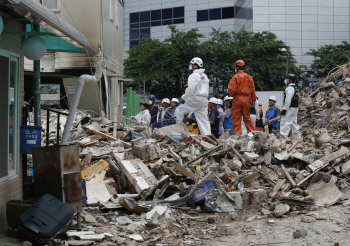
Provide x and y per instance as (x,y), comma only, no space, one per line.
(14,208)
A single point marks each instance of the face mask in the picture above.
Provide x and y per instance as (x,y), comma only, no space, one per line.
(150,102)
(285,82)
(141,108)
(235,70)
(190,67)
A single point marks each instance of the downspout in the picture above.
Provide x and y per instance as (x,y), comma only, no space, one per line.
(78,89)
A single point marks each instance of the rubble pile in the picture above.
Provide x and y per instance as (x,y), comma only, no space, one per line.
(149,188)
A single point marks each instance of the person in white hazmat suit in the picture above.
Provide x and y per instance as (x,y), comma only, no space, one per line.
(144,117)
(196,97)
(290,109)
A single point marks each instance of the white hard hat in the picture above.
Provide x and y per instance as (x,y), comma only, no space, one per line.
(227,98)
(166,100)
(213,100)
(175,100)
(273,98)
(219,101)
(197,61)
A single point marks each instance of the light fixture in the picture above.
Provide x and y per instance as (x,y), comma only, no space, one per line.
(34,48)
(303,67)
(1,25)
(284,50)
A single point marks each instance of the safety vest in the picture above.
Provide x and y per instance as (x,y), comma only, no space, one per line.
(270,115)
(228,123)
(294,102)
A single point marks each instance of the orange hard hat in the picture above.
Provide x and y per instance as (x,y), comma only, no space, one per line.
(260,104)
(239,63)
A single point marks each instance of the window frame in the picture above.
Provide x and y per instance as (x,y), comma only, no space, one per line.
(13,174)
(58,6)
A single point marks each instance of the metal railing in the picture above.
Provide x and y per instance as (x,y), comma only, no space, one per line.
(48,110)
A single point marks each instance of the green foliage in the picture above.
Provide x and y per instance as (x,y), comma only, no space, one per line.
(164,65)
(328,57)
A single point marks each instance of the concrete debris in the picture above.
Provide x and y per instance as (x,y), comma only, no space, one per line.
(154,186)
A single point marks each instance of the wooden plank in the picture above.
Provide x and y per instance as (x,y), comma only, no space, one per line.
(267,129)
(115,124)
(250,178)
(277,187)
(328,158)
(186,172)
(126,144)
(239,155)
(104,135)
(291,180)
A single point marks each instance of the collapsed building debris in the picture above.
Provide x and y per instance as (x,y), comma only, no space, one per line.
(149,182)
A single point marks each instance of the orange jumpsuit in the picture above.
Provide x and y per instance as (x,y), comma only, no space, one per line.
(242,89)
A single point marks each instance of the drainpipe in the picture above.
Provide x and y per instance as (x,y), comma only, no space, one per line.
(36,82)
(78,89)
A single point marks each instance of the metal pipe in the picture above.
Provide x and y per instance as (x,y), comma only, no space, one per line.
(287,63)
(37,110)
(58,129)
(47,127)
(74,105)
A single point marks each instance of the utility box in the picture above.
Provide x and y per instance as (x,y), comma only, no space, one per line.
(57,172)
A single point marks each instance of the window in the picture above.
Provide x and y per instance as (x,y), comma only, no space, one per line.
(145,32)
(50,94)
(228,13)
(140,22)
(203,15)
(54,5)
(215,14)
(134,17)
(179,12)
(167,13)
(156,15)
(145,16)
(9,80)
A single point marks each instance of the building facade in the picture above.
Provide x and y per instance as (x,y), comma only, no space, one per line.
(301,24)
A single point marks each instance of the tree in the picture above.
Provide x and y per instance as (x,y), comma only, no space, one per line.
(261,52)
(328,57)
(163,65)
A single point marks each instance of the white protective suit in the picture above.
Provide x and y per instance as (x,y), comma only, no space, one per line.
(196,101)
(144,117)
(289,121)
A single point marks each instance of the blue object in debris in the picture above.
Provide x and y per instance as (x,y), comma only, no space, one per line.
(176,136)
(163,123)
(198,195)
(84,200)
(335,80)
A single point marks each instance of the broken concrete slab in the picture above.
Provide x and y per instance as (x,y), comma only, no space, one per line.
(328,158)
(324,194)
(92,237)
(138,174)
(250,156)
(79,243)
(280,210)
(147,149)
(157,211)
(137,238)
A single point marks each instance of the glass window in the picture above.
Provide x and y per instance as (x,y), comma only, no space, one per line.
(215,14)
(135,25)
(179,21)
(9,135)
(167,22)
(134,17)
(145,16)
(133,43)
(134,33)
(228,13)
(179,12)
(50,94)
(156,23)
(203,15)
(167,13)
(156,15)
(145,32)
(51,4)
(145,24)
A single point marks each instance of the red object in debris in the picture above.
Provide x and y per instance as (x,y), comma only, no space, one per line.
(187,140)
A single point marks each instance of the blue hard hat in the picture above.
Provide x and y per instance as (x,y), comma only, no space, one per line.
(152,97)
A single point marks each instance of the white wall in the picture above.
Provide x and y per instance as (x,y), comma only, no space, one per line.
(304,24)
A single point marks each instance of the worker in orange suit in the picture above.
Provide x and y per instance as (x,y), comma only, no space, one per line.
(242,89)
